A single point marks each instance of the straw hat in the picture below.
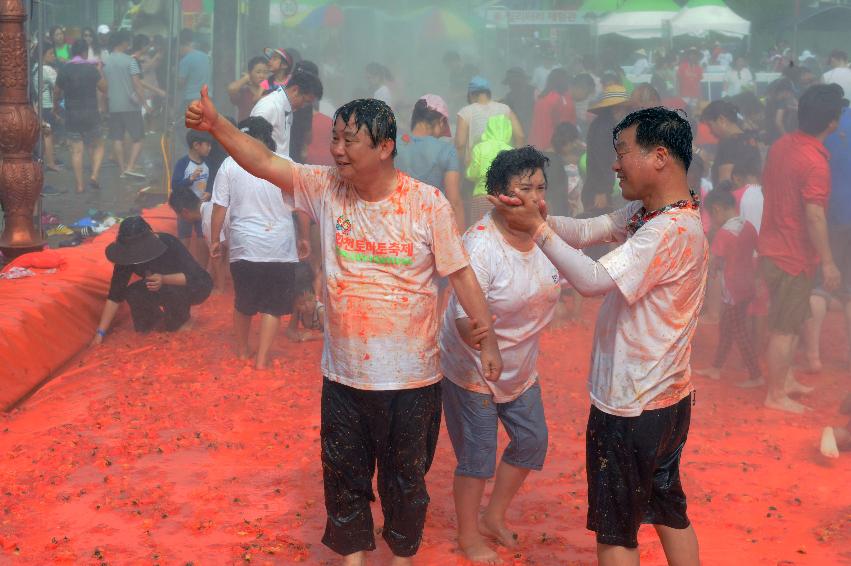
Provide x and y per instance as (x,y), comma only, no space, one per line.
(612,96)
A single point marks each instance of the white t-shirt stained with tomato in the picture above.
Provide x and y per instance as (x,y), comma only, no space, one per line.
(380,262)
(642,342)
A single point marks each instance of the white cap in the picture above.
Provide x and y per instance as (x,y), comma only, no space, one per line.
(103,29)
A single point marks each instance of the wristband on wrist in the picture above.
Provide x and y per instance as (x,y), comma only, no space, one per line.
(101,332)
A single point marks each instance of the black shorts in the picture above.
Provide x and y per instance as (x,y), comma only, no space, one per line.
(263,287)
(83,126)
(126,122)
(633,467)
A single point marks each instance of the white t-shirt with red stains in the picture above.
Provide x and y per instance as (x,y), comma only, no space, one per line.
(522,290)
(380,261)
(642,342)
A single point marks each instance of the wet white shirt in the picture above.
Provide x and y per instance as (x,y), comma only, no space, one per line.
(522,290)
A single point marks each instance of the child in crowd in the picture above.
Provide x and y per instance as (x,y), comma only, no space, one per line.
(191,209)
(191,172)
(495,139)
(733,248)
(308,310)
(747,169)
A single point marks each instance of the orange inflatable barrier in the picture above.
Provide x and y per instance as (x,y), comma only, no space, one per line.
(47,319)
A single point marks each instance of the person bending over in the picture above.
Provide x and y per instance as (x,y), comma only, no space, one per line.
(170,283)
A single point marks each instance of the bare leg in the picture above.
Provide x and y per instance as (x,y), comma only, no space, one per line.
(508,480)
(779,361)
(269,326)
(401,561)
(812,332)
(201,252)
(77,163)
(608,555)
(49,154)
(848,330)
(242,326)
(468,497)
(355,559)
(135,150)
(96,155)
(681,548)
(118,153)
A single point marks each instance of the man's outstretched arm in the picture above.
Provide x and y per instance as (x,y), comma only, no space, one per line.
(250,153)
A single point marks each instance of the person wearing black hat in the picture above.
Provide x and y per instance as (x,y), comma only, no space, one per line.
(171,281)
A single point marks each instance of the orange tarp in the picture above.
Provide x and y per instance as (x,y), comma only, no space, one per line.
(45,320)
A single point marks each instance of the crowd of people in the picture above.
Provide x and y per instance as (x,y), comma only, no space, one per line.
(667,204)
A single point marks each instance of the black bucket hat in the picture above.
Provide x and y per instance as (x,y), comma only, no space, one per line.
(136,243)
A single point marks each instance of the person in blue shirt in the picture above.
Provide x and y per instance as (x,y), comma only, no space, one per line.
(192,172)
(839,236)
(426,158)
(194,68)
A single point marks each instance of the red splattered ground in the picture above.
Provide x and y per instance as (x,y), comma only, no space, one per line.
(164,449)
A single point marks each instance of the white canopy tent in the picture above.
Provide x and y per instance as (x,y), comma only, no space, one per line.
(699,17)
(639,19)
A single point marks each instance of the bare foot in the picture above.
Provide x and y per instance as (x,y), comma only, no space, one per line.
(355,559)
(828,445)
(751,383)
(785,404)
(477,550)
(794,386)
(496,529)
(814,365)
(712,373)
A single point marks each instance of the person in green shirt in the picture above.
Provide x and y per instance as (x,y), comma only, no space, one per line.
(495,139)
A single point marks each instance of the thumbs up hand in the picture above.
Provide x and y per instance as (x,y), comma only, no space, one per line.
(201,114)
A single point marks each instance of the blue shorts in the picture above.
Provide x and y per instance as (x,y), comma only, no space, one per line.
(472,421)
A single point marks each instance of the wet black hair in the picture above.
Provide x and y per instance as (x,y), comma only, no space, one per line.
(307,83)
(584,81)
(513,163)
(557,81)
(375,116)
(80,48)
(720,109)
(258,128)
(186,36)
(564,134)
(195,136)
(119,37)
(659,126)
(183,198)
(747,161)
(254,61)
(818,107)
(53,31)
(140,41)
(307,66)
(422,113)
(721,196)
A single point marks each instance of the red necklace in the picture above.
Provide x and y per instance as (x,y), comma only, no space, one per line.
(642,217)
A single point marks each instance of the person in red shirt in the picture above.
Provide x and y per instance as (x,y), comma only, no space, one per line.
(793,236)
(689,75)
(732,251)
(554,106)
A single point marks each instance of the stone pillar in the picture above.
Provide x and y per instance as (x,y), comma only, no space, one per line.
(21,176)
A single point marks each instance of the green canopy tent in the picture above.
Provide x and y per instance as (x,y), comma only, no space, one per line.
(639,19)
